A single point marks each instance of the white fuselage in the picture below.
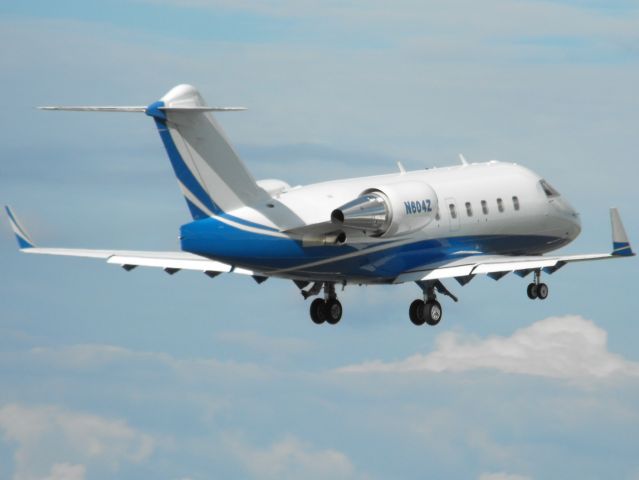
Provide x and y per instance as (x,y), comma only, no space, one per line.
(469,198)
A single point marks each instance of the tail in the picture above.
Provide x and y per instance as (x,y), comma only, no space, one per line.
(211,175)
(213,178)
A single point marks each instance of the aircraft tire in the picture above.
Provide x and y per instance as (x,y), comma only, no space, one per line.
(318,311)
(432,312)
(333,311)
(532,291)
(542,291)
(416,312)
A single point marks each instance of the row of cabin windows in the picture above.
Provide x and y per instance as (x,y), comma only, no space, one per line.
(484,207)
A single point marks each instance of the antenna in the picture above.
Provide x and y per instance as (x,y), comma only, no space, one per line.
(463,159)
(401,167)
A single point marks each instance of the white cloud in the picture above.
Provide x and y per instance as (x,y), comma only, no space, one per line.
(569,347)
(266,344)
(91,357)
(291,458)
(66,471)
(44,434)
(502,476)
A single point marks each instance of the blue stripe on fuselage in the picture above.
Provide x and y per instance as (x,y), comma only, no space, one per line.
(215,239)
(247,223)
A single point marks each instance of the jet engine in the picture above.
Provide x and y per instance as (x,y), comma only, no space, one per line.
(387,210)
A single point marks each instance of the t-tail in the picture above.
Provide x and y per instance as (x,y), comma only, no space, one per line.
(211,175)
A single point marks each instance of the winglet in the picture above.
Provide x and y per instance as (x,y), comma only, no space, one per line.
(24,240)
(620,243)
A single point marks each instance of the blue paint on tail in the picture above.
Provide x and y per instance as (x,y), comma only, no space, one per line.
(182,172)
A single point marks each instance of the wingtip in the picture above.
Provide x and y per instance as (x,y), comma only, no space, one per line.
(620,243)
(23,238)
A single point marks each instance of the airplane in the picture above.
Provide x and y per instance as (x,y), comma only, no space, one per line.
(422,226)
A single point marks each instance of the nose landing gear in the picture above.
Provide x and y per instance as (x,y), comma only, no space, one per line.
(537,290)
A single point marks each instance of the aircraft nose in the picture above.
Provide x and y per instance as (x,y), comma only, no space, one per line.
(567,219)
(571,220)
(574,221)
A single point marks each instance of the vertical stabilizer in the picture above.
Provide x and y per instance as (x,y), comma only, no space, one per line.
(211,175)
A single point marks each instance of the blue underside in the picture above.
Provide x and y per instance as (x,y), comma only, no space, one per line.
(215,239)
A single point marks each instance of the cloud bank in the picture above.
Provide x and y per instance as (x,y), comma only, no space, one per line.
(569,347)
(46,434)
(291,458)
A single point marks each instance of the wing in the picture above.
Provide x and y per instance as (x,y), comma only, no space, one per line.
(170,262)
(496,266)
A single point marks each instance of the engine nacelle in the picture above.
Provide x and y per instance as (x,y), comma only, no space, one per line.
(391,209)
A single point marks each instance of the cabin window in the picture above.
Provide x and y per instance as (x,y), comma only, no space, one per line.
(437,216)
(548,190)
(453,211)
(500,205)
(484,207)
(516,203)
(469,209)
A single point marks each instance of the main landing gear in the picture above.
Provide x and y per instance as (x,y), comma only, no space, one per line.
(327,309)
(428,310)
(537,290)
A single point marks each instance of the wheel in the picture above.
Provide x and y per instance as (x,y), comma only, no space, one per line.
(542,291)
(333,311)
(318,311)
(532,291)
(416,312)
(432,312)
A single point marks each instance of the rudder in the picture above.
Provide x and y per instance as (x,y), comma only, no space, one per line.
(211,175)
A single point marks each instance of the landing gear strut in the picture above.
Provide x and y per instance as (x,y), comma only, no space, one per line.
(327,309)
(429,309)
(537,289)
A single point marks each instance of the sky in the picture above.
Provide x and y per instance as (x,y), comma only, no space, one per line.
(113,374)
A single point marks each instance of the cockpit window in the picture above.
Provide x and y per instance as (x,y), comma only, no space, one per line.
(548,190)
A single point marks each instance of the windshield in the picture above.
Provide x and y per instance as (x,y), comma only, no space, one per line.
(548,189)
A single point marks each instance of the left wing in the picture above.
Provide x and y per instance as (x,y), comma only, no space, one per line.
(496,266)
(170,262)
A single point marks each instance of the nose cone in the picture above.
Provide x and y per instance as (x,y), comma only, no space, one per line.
(566,219)
(574,225)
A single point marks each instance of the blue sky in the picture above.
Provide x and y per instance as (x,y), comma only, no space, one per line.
(109,374)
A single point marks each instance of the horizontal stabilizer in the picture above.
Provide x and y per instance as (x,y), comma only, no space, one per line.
(93,108)
(140,109)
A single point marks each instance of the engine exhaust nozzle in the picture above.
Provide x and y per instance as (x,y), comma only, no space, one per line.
(369,213)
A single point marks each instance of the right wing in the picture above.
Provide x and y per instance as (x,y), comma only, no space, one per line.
(170,262)
(496,266)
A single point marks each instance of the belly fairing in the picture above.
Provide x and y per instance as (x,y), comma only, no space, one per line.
(270,252)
